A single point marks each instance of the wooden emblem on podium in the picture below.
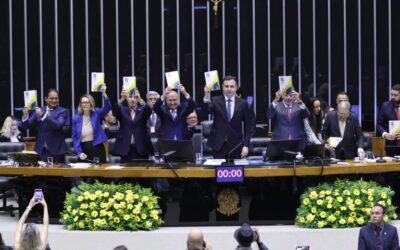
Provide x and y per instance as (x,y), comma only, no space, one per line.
(228,202)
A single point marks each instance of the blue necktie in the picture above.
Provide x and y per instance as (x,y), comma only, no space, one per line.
(228,109)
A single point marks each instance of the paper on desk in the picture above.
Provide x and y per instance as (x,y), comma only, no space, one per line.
(80,165)
(342,163)
(334,141)
(115,167)
(214,162)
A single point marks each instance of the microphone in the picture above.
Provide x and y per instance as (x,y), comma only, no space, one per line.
(238,145)
(73,154)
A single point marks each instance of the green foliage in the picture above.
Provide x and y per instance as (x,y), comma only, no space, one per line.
(343,204)
(119,207)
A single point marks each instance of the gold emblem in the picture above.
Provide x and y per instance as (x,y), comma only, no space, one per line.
(228,202)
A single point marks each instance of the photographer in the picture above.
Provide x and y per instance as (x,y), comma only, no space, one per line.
(29,237)
(245,235)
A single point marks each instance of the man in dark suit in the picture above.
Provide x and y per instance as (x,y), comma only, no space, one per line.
(390,110)
(154,122)
(230,112)
(287,117)
(50,121)
(173,115)
(132,140)
(378,234)
(342,123)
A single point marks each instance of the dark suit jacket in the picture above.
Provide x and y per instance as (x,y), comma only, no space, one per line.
(353,137)
(6,139)
(223,130)
(137,127)
(283,126)
(367,238)
(96,119)
(170,127)
(50,130)
(387,113)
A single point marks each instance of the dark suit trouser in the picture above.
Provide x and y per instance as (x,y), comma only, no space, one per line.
(56,158)
(132,154)
(224,152)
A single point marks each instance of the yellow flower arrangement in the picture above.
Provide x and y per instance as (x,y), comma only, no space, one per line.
(120,207)
(343,204)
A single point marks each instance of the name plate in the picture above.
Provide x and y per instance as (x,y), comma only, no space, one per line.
(229,173)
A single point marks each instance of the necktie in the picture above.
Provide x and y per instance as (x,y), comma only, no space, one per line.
(378,235)
(289,115)
(173,113)
(229,109)
(153,119)
(289,112)
(133,114)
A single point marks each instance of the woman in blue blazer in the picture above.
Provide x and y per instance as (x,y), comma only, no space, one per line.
(87,133)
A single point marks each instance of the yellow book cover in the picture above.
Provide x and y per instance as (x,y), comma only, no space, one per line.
(173,79)
(212,80)
(129,84)
(30,99)
(285,83)
(97,81)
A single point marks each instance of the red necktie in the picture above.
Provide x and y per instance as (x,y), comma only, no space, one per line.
(289,115)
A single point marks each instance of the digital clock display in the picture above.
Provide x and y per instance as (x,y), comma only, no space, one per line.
(229,173)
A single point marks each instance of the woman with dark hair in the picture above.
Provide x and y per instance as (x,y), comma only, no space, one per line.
(88,135)
(9,132)
(29,237)
(317,116)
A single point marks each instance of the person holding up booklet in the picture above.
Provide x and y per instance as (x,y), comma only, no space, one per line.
(173,114)
(132,141)
(49,120)
(88,135)
(226,138)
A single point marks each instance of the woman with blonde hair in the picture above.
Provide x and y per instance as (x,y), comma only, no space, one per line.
(9,132)
(88,135)
(29,237)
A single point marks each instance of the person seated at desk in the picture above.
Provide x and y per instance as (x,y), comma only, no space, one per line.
(88,135)
(109,121)
(9,132)
(50,120)
(173,115)
(132,140)
(344,124)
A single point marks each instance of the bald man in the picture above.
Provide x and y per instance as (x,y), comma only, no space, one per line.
(173,115)
(195,240)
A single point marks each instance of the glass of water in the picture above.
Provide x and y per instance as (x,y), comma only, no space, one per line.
(50,161)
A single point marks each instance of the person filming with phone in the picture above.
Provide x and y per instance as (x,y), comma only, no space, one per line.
(29,236)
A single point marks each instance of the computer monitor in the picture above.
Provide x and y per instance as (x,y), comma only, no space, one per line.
(276,148)
(176,151)
(392,150)
(314,150)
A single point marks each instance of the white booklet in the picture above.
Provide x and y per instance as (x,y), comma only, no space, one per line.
(30,99)
(97,81)
(212,80)
(285,83)
(334,141)
(173,79)
(394,126)
(129,84)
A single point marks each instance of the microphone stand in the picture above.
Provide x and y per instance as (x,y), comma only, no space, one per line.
(237,146)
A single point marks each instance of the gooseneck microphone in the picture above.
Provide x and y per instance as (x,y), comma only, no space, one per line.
(238,145)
